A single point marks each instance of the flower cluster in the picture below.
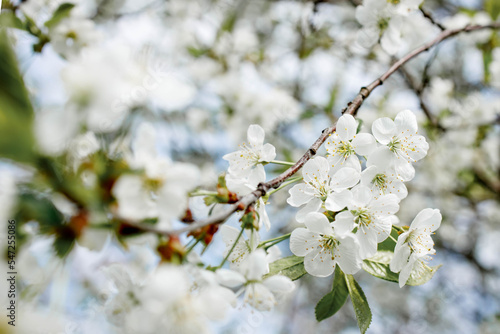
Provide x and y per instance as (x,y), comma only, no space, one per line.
(362,203)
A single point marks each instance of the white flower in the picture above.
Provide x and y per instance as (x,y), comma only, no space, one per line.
(252,154)
(72,34)
(344,143)
(322,248)
(170,305)
(402,144)
(415,245)
(242,248)
(161,191)
(495,68)
(383,181)
(372,216)
(383,19)
(262,294)
(244,186)
(322,184)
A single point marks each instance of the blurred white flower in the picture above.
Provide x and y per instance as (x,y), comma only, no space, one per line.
(260,293)
(72,34)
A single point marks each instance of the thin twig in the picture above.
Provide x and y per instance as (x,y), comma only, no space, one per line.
(429,17)
(351,109)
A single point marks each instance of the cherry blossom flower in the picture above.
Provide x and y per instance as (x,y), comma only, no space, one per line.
(323,248)
(383,181)
(252,154)
(322,185)
(344,143)
(415,245)
(402,144)
(260,293)
(372,216)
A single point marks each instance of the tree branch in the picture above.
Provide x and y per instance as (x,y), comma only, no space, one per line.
(352,108)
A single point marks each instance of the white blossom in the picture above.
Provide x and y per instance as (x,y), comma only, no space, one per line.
(415,245)
(253,153)
(323,184)
(260,293)
(402,144)
(323,248)
(372,216)
(344,143)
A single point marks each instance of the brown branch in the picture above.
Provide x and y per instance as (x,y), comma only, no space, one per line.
(352,108)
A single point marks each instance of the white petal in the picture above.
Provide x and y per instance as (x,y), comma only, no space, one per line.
(336,201)
(344,223)
(313,206)
(427,219)
(361,196)
(300,194)
(404,170)
(406,271)
(302,241)
(382,157)
(367,241)
(348,251)
(279,284)
(346,127)
(385,205)
(406,121)
(255,265)
(364,144)
(319,263)
(264,218)
(318,223)
(383,130)
(230,278)
(268,153)
(255,136)
(316,169)
(401,254)
(345,178)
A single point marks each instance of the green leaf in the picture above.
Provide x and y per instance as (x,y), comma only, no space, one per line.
(360,304)
(424,276)
(389,244)
(10,20)
(335,299)
(492,7)
(378,266)
(291,267)
(61,13)
(16,113)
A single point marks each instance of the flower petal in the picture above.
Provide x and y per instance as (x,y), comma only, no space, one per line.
(318,223)
(364,144)
(427,219)
(255,136)
(230,278)
(300,194)
(348,255)
(344,223)
(312,206)
(268,153)
(319,263)
(302,241)
(406,122)
(336,201)
(345,178)
(383,130)
(346,127)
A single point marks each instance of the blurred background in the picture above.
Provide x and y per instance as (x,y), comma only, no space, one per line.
(201,72)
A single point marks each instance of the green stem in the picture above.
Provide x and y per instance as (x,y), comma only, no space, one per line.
(193,245)
(202,193)
(284,163)
(390,236)
(232,248)
(397,228)
(274,241)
